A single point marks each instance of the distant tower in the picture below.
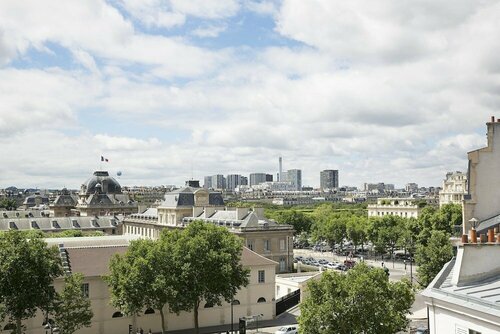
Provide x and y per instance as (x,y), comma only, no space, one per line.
(281,168)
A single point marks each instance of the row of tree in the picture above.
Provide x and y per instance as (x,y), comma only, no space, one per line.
(178,271)
(27,272)
(426,238)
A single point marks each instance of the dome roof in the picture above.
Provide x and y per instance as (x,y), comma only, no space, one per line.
(102,180)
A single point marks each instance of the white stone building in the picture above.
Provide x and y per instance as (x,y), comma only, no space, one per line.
(464,298)
(454,188)
(403,207)
(483,197)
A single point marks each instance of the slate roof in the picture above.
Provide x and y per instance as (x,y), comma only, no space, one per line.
(55,224)
(486,224)
(185,197)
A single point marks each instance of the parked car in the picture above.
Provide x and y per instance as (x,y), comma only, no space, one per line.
(422,330)
(287,330)
(349,263)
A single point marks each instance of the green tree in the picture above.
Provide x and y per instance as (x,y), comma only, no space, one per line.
(331,229)
(361,301)
(430,258)
(145,276)
(356,231)
(211,270)
(299,220)
(385,232)
(72,310)
(27,271)
(8,204)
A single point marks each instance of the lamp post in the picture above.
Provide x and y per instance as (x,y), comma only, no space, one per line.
(49,324)
(232,303)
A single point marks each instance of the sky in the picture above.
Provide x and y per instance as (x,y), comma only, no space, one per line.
(169,90)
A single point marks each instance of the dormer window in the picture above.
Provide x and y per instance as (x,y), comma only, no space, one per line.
(94,223)
(34,224)
(75,224)
(55,224)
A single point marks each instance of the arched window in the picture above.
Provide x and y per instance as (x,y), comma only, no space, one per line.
(208,305)
(261,300)
(9,327)
(236,302)
(149,311)
(117,314)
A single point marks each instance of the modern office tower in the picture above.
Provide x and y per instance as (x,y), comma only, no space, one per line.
(280,161)
(329,179)
(218,181)
(258,178)
(294,176)
(207,183)
(232,181)
(243,181)
(269,177)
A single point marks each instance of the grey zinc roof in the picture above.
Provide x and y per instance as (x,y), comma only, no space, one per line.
(185,197)
(65,200)
(488,223)
(58,223)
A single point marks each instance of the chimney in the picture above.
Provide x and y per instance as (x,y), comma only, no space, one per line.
(492,119)
(465,239)
(473,235)
(491,235)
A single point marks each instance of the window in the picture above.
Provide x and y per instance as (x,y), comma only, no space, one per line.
(282,244)
(85,290)
(261,300)
(267,245)
(282,264)
(262,276)
(250,244)
(117,315)
(471,331)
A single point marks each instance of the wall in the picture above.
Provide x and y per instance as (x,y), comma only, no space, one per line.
(445,321)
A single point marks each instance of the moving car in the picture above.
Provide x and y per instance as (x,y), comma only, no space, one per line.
(287,330)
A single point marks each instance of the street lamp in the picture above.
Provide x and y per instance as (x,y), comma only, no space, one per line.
(49,324)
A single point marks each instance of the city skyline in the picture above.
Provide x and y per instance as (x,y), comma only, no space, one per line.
(174,90)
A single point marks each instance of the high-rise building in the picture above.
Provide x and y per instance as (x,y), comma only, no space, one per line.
(258,178)
(243,181)
(269,177)
(232,181)
(294,176)
(329,179)
(411,188)
(280,161)
(207,183)
(218,181)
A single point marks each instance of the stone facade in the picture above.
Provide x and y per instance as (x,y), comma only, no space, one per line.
(454,188)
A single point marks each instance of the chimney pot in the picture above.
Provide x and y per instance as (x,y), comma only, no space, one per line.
(492,119)
(465,238)
(491,235)
(473,235)
(482,238)
(498,238)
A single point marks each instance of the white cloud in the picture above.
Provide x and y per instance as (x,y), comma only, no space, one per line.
(383,92)
(209,31)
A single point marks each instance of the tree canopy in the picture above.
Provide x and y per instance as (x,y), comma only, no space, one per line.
(179,270)
(361,301)
(72,310)
(27,271)
(431,257)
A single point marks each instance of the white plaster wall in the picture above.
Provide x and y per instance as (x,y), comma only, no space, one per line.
(485,186)
(443,321)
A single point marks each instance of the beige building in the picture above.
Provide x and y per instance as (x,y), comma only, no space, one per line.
(64,204)
(182,206)
(481,201)
(91,256)
(454,188)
